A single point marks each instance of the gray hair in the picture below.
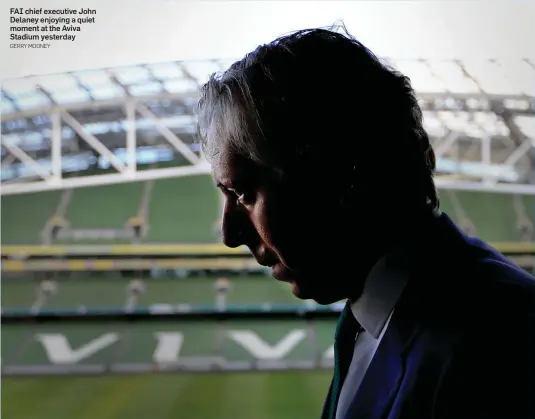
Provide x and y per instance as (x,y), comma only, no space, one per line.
(227,113)
(285,103)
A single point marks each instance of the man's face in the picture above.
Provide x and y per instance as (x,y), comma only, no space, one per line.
(296,229)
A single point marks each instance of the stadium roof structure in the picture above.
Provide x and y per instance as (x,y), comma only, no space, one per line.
(137,123)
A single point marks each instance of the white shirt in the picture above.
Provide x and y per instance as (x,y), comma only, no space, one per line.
(373,310)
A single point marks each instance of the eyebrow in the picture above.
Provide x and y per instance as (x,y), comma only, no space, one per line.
(238,180)
(237,185)
(226,184)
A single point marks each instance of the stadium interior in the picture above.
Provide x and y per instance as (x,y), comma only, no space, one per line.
(111,255)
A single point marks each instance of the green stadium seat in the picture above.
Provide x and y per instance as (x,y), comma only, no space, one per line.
(107,206)
(183,210)
(529,205)
(108,291)
(24,216)
(493,215)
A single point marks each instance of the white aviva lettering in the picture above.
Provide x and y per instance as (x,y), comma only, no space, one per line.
(59,350)
(260,349)
(168,346)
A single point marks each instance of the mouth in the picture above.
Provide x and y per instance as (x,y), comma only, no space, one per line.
(277,271)
(267,262)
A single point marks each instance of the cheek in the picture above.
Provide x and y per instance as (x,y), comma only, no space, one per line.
(299,229)
(289,231)
(276,224)
(269,221)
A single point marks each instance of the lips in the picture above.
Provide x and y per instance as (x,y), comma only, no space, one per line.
(277,271)
(267,264)
(267,261)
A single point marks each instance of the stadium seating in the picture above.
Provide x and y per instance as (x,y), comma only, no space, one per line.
(105,206)
(24,216)
(529,205)
(491,216)
(183,210)
(108,291)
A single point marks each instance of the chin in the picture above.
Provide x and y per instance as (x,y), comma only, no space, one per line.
(319,296)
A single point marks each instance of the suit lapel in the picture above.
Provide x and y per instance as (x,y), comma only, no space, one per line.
(385,374)
(377,393)
(380,385)
(382,380)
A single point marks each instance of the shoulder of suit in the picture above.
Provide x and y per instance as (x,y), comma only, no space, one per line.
(479,293)
(505,284)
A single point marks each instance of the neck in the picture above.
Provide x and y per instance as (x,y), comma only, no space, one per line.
(400,232)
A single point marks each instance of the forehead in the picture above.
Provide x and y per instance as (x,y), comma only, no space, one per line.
(227,167)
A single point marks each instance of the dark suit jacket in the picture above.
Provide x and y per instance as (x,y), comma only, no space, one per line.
(461,341)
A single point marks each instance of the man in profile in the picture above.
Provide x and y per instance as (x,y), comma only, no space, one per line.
(327,173)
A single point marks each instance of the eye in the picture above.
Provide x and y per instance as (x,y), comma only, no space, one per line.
(241,196)
(244,197)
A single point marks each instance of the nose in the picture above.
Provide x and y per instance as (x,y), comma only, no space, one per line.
(235,228)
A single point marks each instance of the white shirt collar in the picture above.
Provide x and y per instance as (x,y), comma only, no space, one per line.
(382,290)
